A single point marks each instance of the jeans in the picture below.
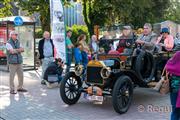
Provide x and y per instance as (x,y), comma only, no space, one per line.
(69,60)
(175,115)
(45,63)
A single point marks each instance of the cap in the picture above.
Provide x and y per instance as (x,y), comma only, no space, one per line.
(127,27)
(165,30)
(13,33)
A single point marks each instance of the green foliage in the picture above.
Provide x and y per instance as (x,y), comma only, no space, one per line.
(173,12)
(77,30)
(38,33)
(6,9)
(135,12)
(40,6)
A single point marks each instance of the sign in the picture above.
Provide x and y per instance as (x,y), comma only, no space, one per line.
(58,28)
(18,21)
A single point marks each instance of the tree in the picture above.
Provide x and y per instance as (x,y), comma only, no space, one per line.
(173,12)
(6,8)
(135,12)
(40,6)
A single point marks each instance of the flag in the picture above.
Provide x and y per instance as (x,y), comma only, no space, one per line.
(58,28)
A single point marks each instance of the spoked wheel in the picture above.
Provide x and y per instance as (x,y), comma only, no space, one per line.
(70,88)
(122,94)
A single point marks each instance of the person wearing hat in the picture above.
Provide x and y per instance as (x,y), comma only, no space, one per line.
(125,40)
(166,41)
(15,60)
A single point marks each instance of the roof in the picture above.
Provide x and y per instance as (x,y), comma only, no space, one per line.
(11,19)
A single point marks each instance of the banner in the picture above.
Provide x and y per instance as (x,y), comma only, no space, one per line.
(58,28)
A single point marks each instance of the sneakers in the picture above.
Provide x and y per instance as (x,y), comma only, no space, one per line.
(43,82)
(21,90)
(48,84)
(13,92)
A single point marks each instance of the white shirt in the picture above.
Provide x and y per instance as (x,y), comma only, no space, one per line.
(95,46)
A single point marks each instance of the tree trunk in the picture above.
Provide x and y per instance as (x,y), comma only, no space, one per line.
(86,16)
(45,20)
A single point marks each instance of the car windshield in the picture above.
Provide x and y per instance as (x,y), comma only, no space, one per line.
(111,38)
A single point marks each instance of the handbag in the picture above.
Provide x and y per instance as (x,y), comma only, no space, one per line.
(159,84)
(178,100)
(164,89)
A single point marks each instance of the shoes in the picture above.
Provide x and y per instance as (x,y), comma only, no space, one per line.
(21,90)
(48,84)
(43,82)
(13,92)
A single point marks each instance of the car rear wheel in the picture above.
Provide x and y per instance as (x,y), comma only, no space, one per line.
(70,88)
(122,94)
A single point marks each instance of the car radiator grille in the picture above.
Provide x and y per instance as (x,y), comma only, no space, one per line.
(94,76)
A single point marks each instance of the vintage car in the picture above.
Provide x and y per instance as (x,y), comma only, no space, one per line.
(113,75)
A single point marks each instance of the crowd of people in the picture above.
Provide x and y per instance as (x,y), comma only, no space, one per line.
(83,52)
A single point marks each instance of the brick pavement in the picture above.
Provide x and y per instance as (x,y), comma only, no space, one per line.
(41,103)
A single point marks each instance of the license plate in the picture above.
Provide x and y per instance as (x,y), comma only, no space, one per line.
(95,98)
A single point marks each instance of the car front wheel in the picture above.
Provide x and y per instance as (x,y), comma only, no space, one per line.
(70,88)
(122,94)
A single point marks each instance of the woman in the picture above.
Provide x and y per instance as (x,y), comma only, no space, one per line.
(82,40)
(172,68)
(165,42)
(94,45)
(85,49)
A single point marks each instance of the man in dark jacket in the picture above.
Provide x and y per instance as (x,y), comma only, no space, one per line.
(46,51)
(53,72)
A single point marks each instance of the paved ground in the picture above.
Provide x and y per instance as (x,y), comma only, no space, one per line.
(41,103)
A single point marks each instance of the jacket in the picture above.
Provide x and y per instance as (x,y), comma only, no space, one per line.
(14,58)
(41,49)
(168,42)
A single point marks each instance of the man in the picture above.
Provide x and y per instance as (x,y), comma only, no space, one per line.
(177,42)
(126,40)
(55,69)
(14,57)
(94,45)
(69,49)
(148,39)
(46,51)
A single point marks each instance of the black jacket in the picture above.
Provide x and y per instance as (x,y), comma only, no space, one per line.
(52,69)
(41,48)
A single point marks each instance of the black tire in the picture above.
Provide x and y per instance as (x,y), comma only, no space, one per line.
(145,66)
(70,88)
(122,94)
